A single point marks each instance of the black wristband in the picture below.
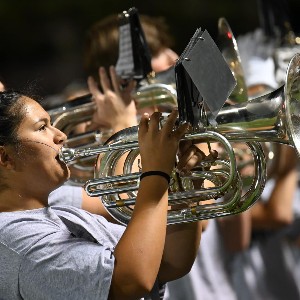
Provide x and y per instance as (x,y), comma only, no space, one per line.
(159,173)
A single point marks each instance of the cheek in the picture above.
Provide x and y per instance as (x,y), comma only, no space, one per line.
(164,60)
(27,156)
(37,155)
(160,64)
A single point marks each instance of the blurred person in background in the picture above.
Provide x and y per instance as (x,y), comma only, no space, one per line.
(211,276)
(243,257)
(268,269)
(115,107)
(101,48)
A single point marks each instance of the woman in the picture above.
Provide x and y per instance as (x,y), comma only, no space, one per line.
(63,252)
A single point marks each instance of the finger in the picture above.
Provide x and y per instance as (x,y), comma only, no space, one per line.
(184,145)
(213,154)
(198,157)
(193,161)
(104,80)
(131,86)
(181,130)
(190,158)
(143,125)
(114,80)
(190,164)
(170,123)
(154,122)
(93,88)
(126,92)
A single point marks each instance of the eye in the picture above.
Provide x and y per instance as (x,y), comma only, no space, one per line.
(42,128)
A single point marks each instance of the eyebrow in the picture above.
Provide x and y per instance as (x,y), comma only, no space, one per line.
(43,120)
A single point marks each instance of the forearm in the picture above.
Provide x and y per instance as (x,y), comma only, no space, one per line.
(236,231)
(181,248)
(278,211)
(139,251)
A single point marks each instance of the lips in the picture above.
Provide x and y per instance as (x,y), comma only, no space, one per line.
(57,158)
(58,153)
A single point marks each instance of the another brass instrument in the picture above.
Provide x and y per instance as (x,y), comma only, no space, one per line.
(68,117)
(71,115)
(229,49)
(274,117)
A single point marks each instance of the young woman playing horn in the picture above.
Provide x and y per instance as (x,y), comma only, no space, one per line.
(62,252)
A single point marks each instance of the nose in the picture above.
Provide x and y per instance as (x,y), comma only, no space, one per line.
(59,136)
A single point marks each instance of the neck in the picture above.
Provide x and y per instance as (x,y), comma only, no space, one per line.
(12,200)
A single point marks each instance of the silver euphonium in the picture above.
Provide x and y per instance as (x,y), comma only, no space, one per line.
(157,91)
(274,117)
(68,118)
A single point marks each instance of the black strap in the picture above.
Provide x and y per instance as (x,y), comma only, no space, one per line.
(159,173)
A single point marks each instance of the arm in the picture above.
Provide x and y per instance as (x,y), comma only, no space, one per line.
(181,247)
(95,206)
(139,252)
(278,210)
(236,231)
(182,240)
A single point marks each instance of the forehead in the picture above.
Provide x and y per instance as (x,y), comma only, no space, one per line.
(33,110)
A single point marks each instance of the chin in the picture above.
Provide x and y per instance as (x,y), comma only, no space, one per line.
(67,174)
(63,177)
(65,171)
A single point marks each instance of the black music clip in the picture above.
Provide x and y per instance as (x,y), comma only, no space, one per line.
(204,80)
(134,61)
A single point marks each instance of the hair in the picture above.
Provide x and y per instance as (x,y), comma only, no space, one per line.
(11,115)
(101,47)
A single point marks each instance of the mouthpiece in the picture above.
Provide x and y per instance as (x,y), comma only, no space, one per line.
(66,154)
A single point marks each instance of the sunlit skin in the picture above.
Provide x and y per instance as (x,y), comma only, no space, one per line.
(34,168)
(2,88)
(164,60)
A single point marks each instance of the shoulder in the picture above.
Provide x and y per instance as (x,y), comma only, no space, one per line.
(66,195)
(59,246)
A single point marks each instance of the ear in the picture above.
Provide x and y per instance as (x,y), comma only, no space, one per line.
(6,158)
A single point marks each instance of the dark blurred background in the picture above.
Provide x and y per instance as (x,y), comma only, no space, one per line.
(41,41)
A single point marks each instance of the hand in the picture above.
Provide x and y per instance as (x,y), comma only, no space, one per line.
(115,108)
(190,156)
(158,147)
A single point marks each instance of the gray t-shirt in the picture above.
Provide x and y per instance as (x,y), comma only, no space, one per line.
(66,195)
(59,252)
